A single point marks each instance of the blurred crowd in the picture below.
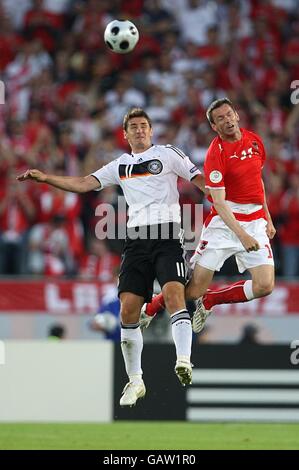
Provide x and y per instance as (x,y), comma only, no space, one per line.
(66,94)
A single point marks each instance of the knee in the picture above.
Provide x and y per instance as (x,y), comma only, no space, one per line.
(174,300)
(263,287)
(128,312)
(126,309)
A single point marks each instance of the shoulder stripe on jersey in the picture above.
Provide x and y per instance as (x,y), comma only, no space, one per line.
(176,150)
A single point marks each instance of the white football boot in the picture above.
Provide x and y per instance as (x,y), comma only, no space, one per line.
(131,393)
(183,370)
(199,317)
(144,319)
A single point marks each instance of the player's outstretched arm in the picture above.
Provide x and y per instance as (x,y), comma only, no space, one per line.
(75,184)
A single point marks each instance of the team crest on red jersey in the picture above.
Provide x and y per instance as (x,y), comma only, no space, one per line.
(203,244)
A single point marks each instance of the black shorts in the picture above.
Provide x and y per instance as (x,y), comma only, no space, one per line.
(145,260)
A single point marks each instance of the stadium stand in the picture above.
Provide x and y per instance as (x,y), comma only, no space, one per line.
(65,95)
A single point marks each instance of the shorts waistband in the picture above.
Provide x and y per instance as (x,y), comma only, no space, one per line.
(260,214)
(165,231)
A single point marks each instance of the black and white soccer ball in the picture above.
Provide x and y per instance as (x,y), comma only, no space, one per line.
(121,36)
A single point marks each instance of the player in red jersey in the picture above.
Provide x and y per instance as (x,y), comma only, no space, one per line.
(239,223)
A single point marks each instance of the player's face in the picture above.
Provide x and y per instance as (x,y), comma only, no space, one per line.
(226,122)
(139,134)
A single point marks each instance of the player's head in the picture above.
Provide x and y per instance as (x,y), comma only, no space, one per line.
(223,117)
(138,129)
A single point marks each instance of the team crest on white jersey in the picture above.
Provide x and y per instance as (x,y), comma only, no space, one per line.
(215,176)
(155,167)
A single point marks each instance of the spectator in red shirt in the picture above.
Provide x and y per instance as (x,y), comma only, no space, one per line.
(49,250)
(17,212)
(43,24)
(99,262)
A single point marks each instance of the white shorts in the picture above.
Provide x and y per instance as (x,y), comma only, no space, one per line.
(218,243)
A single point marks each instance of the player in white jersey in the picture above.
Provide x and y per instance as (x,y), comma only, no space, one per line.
(148,176)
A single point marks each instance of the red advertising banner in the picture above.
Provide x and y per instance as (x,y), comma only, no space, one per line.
(83,297)
(57,297)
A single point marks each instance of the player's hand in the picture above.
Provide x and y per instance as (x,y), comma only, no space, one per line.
(270,229)
(33,175)
(249,243)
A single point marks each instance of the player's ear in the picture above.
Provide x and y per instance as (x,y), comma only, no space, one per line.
(125,135)
(213,126)
(237,116)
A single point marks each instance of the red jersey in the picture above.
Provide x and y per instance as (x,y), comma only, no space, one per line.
(237,168)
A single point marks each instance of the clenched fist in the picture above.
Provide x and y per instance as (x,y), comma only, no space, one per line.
(249,243)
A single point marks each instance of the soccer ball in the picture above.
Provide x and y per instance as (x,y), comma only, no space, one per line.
(121,36)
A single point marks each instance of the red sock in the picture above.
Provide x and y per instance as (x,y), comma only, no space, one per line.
(228,295)
(155,305)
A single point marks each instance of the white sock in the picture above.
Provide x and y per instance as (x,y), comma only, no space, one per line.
(131,346)
(182,333)
(248,291)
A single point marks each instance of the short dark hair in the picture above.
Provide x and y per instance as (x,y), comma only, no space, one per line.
(216,104)
(133,113)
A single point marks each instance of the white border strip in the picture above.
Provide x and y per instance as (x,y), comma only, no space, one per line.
(230,395)
(240,414)
(245,376)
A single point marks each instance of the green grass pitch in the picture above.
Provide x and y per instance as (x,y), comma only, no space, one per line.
(148,436)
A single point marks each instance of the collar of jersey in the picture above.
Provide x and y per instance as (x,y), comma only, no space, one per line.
(137,155)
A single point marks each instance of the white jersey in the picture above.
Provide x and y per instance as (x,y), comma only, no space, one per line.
(149,183)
